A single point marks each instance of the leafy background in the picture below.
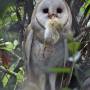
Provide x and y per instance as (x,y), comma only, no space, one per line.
(15,15)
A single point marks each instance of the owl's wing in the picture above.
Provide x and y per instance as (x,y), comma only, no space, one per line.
(28,45)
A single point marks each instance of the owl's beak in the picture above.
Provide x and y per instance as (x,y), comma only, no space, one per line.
(52,16)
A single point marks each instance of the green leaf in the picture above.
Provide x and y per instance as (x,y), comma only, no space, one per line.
(85,7)
(20,75)
(5,80)
(8,46)
(7,76)
(60,69)
(73,47)
(15,43)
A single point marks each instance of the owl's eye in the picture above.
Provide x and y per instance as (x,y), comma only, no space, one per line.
(59,10)
(45,10)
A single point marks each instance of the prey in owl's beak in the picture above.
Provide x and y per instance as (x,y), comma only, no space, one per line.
(53,28)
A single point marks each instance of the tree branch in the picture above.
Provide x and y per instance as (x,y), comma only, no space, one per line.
(3,69)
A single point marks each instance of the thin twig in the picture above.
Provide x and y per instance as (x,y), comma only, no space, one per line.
(3,69)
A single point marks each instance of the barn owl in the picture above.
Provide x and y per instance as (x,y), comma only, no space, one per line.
(46,43)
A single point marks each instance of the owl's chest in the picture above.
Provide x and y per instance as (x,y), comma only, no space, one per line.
(42,52)
(47,56)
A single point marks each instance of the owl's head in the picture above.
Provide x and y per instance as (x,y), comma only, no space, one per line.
(51,14)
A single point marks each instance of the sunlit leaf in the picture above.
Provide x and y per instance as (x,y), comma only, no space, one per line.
(86,6)
(7,76)
(5,79)
(15,43)
(20,76)
(8,46)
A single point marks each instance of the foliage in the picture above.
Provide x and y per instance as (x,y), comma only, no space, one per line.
(10,56)
(13,20)
(7,12)
(86,7)
(9,46)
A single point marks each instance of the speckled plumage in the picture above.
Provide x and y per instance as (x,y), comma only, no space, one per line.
(45,49)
